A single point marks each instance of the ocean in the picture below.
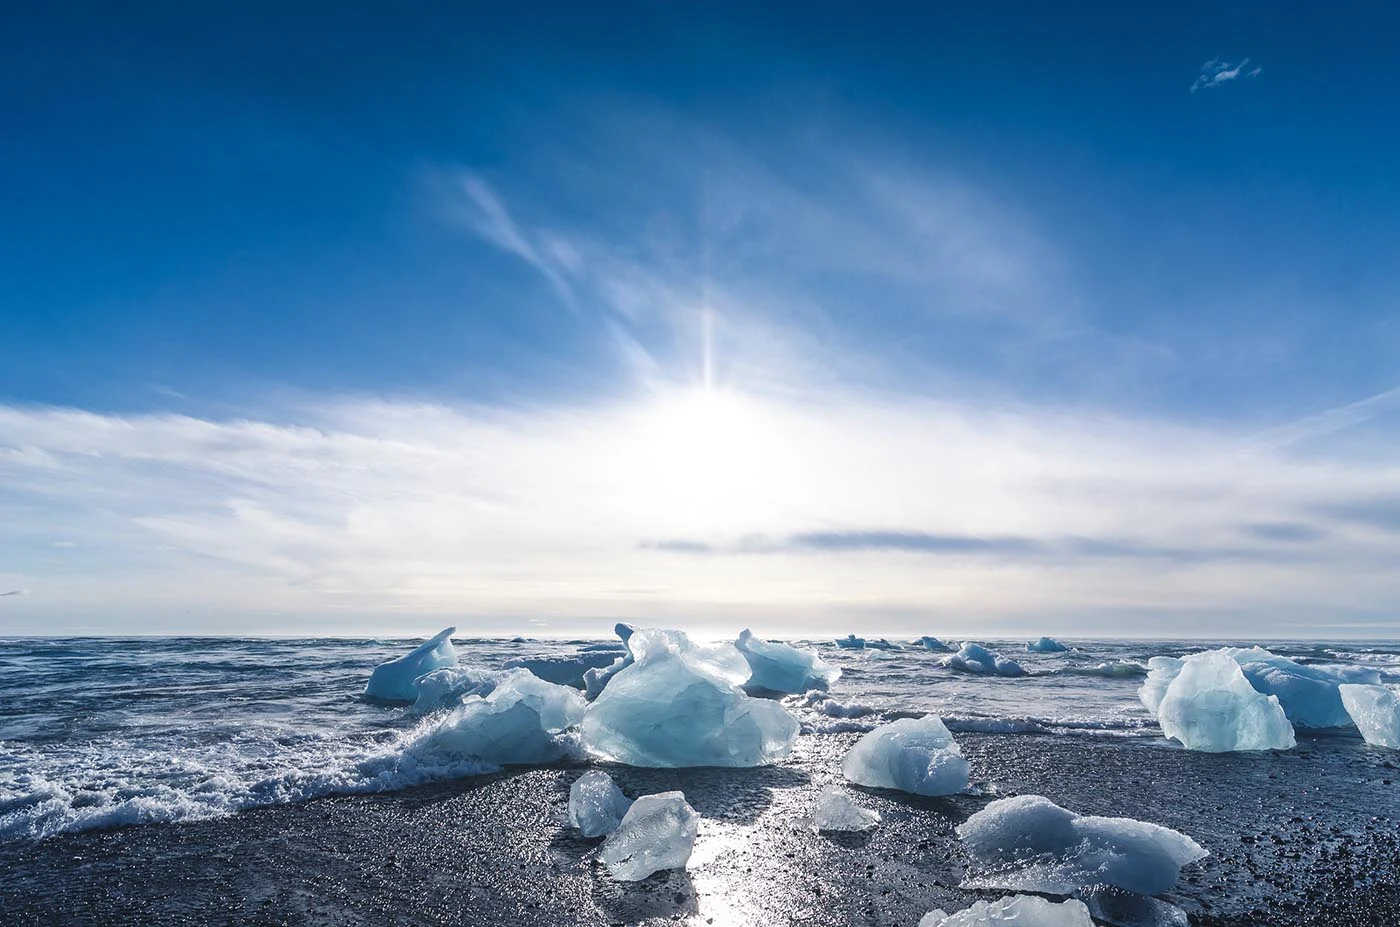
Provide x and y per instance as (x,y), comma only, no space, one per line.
(151,735)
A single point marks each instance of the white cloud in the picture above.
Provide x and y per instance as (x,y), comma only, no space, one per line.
(1217,73)
(362,509)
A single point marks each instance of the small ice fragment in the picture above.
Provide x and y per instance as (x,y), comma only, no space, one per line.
(596,804)
(933,643)
(915,755)
(837,811)
(1029,843)
(393,681)
(783,668)
(974,658)
(1046,645)
(1018,910)
(657,832)
(1376,711)
(851,642)
(1210,706)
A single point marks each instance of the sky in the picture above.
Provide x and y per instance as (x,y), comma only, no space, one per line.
(969,320)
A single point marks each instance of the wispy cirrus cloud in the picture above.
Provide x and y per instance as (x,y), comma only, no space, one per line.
(1217,73)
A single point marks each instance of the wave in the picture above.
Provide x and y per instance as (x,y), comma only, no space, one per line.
(1119,669)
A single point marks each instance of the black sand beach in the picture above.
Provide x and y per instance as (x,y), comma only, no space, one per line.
(1309,838)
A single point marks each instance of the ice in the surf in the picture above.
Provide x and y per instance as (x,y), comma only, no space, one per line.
(393,681)
(596,804)
(681,704)
(657,832)
(916,755)
(1029,843)
(1014,911)
(443,688)
(974,658)
(519,722)
(1046,645)
(836,810)
(1376,713)
(779,667)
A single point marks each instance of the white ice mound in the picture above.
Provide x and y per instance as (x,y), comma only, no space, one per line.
(1017,910)
(393,681)
(837,811)
(658,832)
(520,722)
(443,688)
(680,704)
(784,668)
(1046,645)
(1029,843)
(1307,693)
(1210,706)
(933,643)
(915,755)
(596,804)
(1376,712)
(974,658)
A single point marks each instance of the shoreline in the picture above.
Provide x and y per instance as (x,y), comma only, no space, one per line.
(1309,837)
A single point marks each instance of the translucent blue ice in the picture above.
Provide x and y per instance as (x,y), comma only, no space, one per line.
(658,832)
(681,704)
(393,681)
(1207,704)
(1017,911)
(916,755)
(974,658)
(1046,645)
(520,722)
(1376,712)
(782,667)
(596,804)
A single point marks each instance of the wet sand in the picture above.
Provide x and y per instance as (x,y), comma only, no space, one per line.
(1307,838)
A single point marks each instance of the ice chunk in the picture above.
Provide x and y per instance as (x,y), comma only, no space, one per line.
(1018,910)
(1211,706)
(658,832)
(974,658)
(393,681)
(1308,694)
(595,680)
(680,704)
(1046,645)
(563,671)
(1029,843)
(933,643)
(443,688)
(596,804)
(851,642)
(837,811)
(782,667)
(915,755)
(519,722)
(1376,712)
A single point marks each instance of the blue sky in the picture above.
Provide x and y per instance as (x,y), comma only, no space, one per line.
(954,320)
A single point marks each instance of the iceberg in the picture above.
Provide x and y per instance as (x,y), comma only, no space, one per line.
(1046,645)
(837,811)
(443,688)
(933,643)
(880,644)
(1210,706)
(1029,843)
(595,679)
(1376,712)
(657,832)
(563,671)
(851,642)
(681,704)
(519,722)
(775,667)
(1308,694)
(1017,910)
(393,681)
(596,804)
(974,658)
(915,755)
